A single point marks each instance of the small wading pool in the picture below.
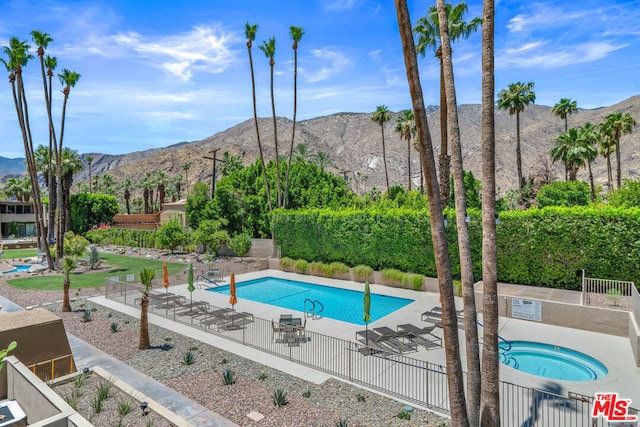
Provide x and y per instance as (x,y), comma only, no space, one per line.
(339,304)
(551,361)
(17,269)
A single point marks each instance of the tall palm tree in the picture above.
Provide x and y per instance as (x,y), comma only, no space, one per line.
(590,140)
(15,187)
(615,125)
(301,153)
(51,63)
(178,184)
(322,160)
(68,265)
(490,395)
(406,128)
(146,184)
(268,47)
(514,99)
(296,34)
(570,151)
(427,31)
(126,187)
(68,79)
(89,161)
(564,108)
(17,58)
(71,164)
(146,276)
(250,34)
(381,116)
(185,168)
(161,180)
(438,234)
(466,264)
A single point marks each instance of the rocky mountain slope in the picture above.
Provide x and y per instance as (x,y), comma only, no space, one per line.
(354,143)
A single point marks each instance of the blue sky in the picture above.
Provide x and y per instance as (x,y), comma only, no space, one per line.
(159,72)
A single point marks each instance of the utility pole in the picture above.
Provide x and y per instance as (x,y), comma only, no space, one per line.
(213,172)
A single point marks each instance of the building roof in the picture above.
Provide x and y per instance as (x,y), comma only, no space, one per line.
(24,318)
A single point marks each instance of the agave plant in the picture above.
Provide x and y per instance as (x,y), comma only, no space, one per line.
(279,397)
(228,376)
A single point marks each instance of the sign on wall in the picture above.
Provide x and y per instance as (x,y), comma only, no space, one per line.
(526,309)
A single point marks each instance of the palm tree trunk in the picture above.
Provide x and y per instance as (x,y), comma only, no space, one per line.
(66,304)
(466,264)
(144,342)
(60,199)
(518,152)
(255,120)
(609,174)
(275,135)
(409,160)
(490,396)
(591,183)
(438,235)
(443,159)
(384,156)
(293,131)
(618,165)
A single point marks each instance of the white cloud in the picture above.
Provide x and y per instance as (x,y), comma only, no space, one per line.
(340,5)
(544,16)
(334,63)
(204,49)
(541,55)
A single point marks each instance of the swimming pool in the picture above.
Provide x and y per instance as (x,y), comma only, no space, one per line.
(17,269)
(551,361)
(339,304)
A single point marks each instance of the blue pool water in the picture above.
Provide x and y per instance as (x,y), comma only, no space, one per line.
(18,268)
(339,304)
(551,361)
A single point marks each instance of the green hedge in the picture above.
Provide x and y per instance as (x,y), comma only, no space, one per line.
(121,237)
(544,247)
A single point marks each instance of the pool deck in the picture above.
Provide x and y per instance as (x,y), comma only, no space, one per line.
(614,351)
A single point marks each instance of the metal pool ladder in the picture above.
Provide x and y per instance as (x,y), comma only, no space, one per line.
(311,312)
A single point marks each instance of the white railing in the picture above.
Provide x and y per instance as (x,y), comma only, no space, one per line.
(607,293)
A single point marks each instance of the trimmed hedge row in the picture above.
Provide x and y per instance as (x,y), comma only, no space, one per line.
(543,247)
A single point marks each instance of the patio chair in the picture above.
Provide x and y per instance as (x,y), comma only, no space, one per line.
(394,339)
(370,339)
(422,336)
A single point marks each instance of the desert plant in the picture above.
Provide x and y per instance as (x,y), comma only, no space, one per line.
(279,397)
(301,265)
(404,415)
(306,394)
(93,258)
(263,376)
(228,376)
(614,295)
(188,358)
(114,327)
(393,274)
(125,406)
(86,316)
(360,398)
(149,422)
(316,267)
(342,422)
(193,348)
(224,361)
(362,271)
(79,381)
(72,400)
(93,309)
(286,262)
(457,287)
(335,267)
(103,390)
(415,280)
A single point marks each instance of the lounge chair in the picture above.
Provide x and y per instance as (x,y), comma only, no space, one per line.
(371,340)
(422,336)
(435,317)
(394,339)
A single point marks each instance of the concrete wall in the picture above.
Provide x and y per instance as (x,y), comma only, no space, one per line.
(634,326)
(42,405)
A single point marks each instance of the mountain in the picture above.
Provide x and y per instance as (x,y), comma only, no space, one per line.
(353,141)
(11,167)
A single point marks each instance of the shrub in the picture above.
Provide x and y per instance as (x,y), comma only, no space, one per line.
(306,394)
(228,376)
(74,246)
(286,262)
(569,193)
(114,327)
(279,397)
(414,280)
(404,415)
(342,422)
(210,234)
(171,235)
(393,274)
(360,398)
(241,243)
(301,265)
(189,358)
(316,267)
(262,376)
(362,271)
(93,257)
(86,316)
(334,268)
(125,406)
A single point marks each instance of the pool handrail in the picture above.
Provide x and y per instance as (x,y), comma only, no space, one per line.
(501,338)
(312,312)
(206,279)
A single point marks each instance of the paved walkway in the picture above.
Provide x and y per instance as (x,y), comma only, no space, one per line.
(87,356)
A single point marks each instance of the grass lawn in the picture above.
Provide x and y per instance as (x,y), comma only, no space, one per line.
(19,253)
(120,265)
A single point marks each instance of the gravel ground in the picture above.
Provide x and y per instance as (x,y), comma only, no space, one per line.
(309,404)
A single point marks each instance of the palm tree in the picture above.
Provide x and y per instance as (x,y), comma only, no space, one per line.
(490,395)
(146,184)
(89,161)
(268,47)
(322,160)
(177,183)
(514,99)
(301,153)
(381,116)
(569,150)
(68,265)
(161,180)
(589,139)
(250,34)
(564,108)
(296,34)
(615,125)
(15,187)
(185,168)
(146,276)
(126,187)
(71,164)
(439,237)
(68,79)
(406,128)
(466,265)
(427,31)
